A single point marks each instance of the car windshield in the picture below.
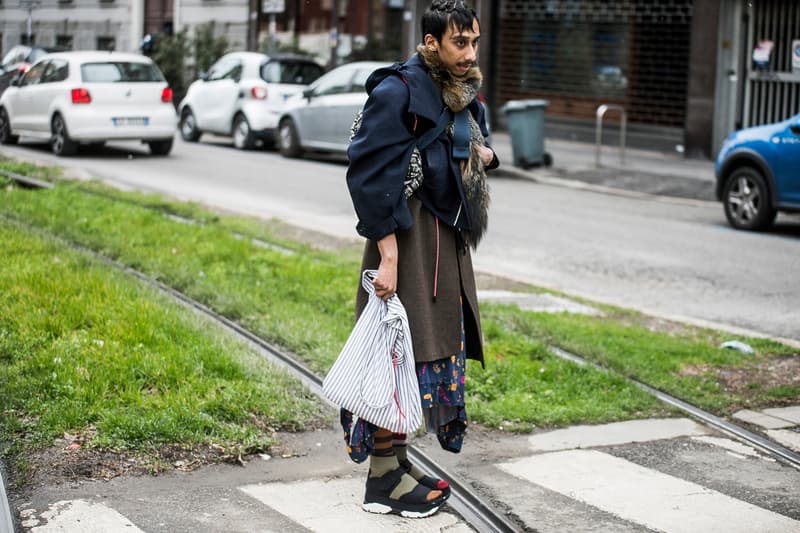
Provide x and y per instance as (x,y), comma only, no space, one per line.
(16,55)
(296,72)
(35,54)
(120,71)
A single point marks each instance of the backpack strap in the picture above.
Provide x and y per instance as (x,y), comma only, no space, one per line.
(461,136)
(431,135)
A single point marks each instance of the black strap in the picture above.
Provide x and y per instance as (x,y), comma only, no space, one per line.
(429,136)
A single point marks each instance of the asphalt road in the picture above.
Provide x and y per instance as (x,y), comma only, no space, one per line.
(671,258)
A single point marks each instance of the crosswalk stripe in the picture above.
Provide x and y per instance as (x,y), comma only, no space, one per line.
(645,496)
(615,433)
(335,506)
(80,515)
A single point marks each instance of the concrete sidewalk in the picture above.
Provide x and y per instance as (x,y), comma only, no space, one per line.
(644,172)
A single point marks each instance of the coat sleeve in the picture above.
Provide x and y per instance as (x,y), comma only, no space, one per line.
(379,156)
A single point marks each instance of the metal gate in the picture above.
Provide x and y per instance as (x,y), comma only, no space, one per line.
(772,88)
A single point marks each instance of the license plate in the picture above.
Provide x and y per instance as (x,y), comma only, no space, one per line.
(130,121)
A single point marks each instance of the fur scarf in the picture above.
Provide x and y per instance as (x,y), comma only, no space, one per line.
(457,93)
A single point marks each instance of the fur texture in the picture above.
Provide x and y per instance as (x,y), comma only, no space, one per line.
(457,93)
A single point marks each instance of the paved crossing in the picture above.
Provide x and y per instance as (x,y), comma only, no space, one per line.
(581,479)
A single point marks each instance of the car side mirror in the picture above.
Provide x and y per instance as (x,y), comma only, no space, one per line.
(204,75)
(308,93)
(16,81)
(795,128)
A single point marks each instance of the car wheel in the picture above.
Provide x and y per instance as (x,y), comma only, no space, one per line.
(289,143)
(5,129)
(747,200)
(188,126)
(60,142)
(163,147)
(243,137)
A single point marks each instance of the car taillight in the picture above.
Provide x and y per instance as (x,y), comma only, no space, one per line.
(81,96)
(259,92)
(166,95)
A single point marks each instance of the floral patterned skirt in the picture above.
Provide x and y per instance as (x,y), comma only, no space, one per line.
(441,389)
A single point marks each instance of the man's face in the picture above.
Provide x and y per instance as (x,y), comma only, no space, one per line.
(458,49)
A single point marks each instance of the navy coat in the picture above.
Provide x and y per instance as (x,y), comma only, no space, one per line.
(435,282)
(403,104)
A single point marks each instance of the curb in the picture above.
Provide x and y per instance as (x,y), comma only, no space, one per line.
(545,179)
(6,522)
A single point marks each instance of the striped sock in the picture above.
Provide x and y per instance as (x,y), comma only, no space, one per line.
(383,459)
(400,446)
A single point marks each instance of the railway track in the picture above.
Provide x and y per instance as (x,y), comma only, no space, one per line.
(476,511)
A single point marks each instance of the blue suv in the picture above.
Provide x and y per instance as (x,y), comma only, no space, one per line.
(758,174)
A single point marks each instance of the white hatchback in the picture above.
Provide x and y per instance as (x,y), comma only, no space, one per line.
(70,98)
(242,95)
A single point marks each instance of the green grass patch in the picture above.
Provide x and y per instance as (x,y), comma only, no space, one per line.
(87,350)
(685,364)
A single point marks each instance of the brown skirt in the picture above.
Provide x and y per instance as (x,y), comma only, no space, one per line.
(434,270)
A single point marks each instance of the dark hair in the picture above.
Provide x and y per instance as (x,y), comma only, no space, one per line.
(445,13)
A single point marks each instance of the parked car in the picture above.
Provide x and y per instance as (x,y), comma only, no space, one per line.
(70,98)
(18,60)
(242,95)
(758,174)
(320,118)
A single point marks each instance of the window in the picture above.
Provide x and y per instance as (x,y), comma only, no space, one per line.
(33,75)
(64,41)
(57,70)
(296,72)
(27,39)
(106,43)
(16,55)
(360,80)
(119,71)
(335,82)
(227,68)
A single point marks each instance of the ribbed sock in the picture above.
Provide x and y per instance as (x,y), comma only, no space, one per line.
(383,459)
(400,447)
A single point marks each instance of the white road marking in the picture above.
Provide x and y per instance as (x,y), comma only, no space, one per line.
(69,516)
(788,438)
(335,506)
(761,419)
(792,414)
(735,447)
(655,500)
(616,433)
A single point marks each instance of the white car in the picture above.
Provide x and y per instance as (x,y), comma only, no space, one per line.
(320,118)
(242,95)
(70,98)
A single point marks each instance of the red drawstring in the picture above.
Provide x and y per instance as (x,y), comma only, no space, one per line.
(436,269)
(396,397)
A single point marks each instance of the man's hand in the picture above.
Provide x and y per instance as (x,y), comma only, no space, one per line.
(386,281)
(487,155)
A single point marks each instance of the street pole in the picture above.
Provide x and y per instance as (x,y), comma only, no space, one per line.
(334,37)
(29,6)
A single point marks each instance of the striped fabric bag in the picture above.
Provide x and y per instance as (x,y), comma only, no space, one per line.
(374,376)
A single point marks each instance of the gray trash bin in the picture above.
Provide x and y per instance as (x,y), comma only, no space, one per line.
(526,127)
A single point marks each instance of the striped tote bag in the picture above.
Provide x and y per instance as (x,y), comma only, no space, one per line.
(374,376)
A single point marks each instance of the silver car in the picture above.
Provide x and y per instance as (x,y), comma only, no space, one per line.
(242,95)
(320,118)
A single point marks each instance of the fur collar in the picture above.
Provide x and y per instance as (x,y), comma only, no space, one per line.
(458,93)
